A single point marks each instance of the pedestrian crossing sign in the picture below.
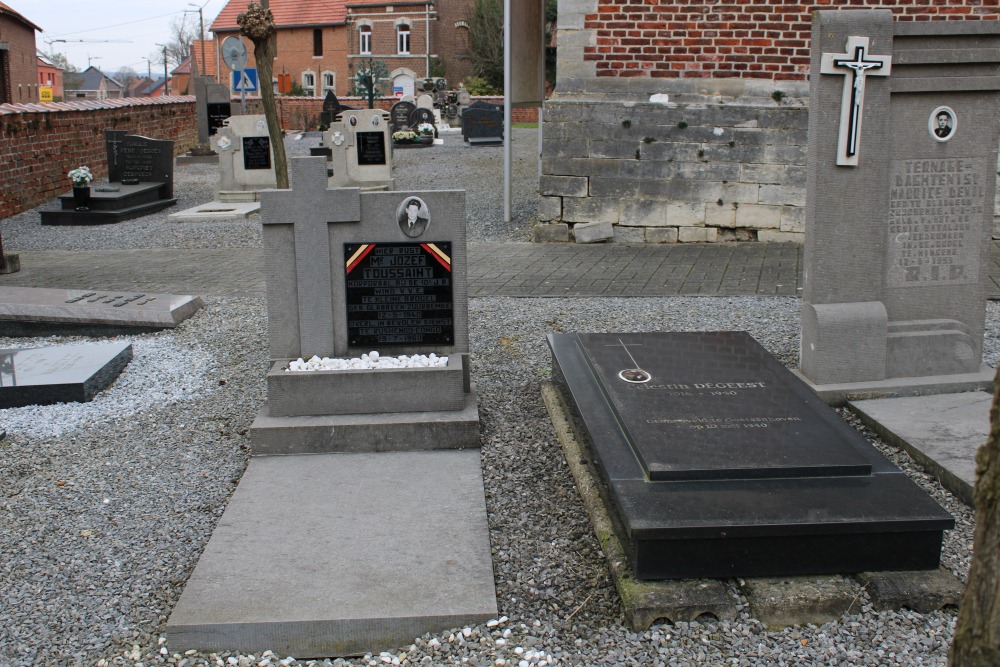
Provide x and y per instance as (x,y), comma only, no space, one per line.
(245,80)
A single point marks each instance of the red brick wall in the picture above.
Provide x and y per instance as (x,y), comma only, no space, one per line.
(38,148)
(759,39)
(21,62)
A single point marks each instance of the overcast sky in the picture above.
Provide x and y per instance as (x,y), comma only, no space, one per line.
(140,22)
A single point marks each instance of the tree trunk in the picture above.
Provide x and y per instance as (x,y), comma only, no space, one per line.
(977,632)
(264,54)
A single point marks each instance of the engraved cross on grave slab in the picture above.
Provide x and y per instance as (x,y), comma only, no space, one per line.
(855,66)
(309,208)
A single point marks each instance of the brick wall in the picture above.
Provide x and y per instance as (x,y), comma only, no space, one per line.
(761,40)
(20,61)
(40,144)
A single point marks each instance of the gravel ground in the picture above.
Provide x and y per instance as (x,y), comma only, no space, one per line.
(105,507)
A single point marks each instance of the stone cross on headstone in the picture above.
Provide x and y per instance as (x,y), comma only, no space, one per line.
(114,139)
(310,207)
(855,66)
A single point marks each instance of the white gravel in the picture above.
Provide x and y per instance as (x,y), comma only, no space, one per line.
(105,507)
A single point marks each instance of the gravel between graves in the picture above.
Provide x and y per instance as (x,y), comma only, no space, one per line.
(105,507)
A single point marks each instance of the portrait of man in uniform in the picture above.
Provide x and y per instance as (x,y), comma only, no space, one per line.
(413,216)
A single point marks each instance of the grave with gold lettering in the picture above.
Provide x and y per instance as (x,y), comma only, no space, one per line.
(902,168)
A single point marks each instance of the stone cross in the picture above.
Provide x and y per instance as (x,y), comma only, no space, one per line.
(311,208)
(854,66)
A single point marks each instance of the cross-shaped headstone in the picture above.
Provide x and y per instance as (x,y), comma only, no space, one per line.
(855,66)
(311,208)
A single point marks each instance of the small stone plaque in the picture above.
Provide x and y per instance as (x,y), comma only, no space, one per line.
(59,374)
(217,115)
(371,148)
(399,294)
(256,152)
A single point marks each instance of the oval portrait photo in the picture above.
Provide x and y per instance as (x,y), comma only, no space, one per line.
(942,123)
(413,216)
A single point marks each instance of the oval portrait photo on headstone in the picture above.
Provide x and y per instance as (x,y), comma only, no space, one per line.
(942,123)
(353,121)
(413,216)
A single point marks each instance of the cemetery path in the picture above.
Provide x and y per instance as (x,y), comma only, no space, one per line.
(504,269)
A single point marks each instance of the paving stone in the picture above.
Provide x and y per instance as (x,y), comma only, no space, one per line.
(921,591)
(783,601)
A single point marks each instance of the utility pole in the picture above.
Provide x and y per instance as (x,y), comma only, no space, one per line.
(166,79)
(201,24)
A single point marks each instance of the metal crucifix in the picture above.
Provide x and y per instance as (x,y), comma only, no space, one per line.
(855,66)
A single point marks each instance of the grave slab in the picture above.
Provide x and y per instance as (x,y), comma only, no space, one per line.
(59,374)
(35,311)
(942,433)
(923,592)
(716,462)
(218,210)
(354,553)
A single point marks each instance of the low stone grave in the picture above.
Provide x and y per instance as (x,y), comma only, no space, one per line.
(140,182)
(59,374)
(35,311)
(718,462)
(482,124)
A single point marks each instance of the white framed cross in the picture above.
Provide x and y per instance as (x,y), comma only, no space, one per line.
(855,66)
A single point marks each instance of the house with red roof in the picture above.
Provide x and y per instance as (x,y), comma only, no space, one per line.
(18,58)
(320,45)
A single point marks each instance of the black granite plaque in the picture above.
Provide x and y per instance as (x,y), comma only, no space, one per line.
(136,159)
(482,123)
(59,374)
(716,461)
(399,114)
(399,294)
(371,148)
(217,115)
(256,152)
(713,406)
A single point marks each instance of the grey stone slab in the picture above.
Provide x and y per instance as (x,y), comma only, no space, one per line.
(218,209)
(34,310)
(923,592)
(784,601)
(379,390)
(341,554)
(593,232)
(941,432)
(840,393)
(60,373)
(384,432)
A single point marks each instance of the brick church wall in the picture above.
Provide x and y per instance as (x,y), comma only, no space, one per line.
(40,144)
(719,154)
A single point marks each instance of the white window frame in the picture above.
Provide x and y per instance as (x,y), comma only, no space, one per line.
(365,40)
(333,82)
(309,82)
(403,39)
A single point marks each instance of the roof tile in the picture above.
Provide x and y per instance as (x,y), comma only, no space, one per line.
(286,13)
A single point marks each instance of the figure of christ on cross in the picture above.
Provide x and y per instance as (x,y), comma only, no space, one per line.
(855,66)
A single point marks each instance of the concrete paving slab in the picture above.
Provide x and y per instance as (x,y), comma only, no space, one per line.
(923,592)
(941,432)
(216,209)
(779,602)
(341,554)
(891,388)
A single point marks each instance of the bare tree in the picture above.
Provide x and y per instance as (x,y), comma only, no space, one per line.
(128,77)
(977,631)
(257,23)
(486,41)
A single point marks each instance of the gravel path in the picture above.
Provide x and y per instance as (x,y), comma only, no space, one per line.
(105,507)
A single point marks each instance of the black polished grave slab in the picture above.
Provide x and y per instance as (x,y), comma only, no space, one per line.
(399,294)
(718,462)
(59,374)
(371,148)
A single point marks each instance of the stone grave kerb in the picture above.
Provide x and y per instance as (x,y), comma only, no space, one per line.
(300,233)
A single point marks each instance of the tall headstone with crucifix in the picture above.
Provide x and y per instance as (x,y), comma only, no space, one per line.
(362,150)
(899,208)
(347,273)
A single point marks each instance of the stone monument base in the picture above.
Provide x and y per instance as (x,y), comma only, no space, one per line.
(839,394)
(119,203)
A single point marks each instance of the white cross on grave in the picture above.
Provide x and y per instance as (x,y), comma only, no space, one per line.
(311,208)
(855,66)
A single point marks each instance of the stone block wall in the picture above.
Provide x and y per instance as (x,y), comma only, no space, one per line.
(42,142)
(668,173)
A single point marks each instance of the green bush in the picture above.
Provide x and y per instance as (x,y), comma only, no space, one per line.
(477,85)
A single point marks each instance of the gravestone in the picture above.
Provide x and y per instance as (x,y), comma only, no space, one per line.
(362,154)
(37,311)
(332,108)
(246,158)
(348,272)
(141,181)
(482,124)
(212,108)
(900,190)
(59,374)
(399,115)
(422,115)
(718,462)
(425,101)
